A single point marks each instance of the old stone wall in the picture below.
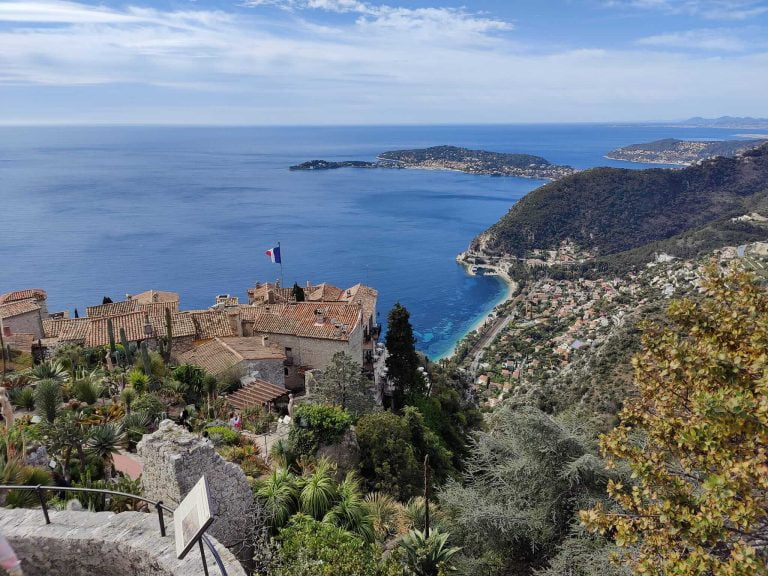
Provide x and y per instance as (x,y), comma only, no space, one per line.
(269,370)
(95,543)
(28,323)
(174,460)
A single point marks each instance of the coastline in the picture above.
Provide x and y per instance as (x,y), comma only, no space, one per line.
(511,288)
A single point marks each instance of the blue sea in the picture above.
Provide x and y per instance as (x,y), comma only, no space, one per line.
(88,212)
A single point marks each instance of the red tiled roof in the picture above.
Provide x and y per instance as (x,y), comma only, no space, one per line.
(181,324)
(155,296)
(128,306)
(67,329)
(325,293)
(257,393)
(221,354)
(299,319)
(17,295)
(211,323)
(132,323)
(17,308)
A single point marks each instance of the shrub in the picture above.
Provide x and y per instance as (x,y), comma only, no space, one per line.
(23,398)
(150,404)
(222,435)
(317,424)
(87,391)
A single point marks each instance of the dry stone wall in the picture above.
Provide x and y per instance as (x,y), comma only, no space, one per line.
(174,460)
(95,543)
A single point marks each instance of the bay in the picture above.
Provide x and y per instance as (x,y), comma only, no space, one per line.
(94,211)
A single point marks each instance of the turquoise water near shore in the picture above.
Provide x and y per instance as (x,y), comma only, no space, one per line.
(89,212)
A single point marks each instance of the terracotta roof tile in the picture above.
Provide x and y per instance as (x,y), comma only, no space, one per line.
(301,319)
(181,324)
(18,307)
(325,293)
(67,329)
(17,295)
(127,306)
(211,323)
(132,323)
(221,354)
(156,296)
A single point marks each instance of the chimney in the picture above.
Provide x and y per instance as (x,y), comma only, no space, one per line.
(319,317)
(265,340)
(308,285)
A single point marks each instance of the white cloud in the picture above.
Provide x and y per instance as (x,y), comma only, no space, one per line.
(708,9)
(394,65)
(706,39)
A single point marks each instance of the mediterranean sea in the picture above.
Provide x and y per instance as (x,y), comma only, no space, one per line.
(88,212)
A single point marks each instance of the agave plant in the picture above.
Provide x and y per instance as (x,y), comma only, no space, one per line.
(427,556)
(279,496)
(23,398)
(48,370)
(350,511)
(104,441)
(136,424)
(89,386)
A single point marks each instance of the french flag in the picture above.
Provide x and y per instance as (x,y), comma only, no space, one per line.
(274,255)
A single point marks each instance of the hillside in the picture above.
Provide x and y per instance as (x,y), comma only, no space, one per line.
(674,151)
(608,210)
(454,158)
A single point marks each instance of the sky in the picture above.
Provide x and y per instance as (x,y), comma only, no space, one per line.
(317,62)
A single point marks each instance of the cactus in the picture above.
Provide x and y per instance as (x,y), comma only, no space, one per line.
(145,358)
(168,335)
(126,348)
(111,334)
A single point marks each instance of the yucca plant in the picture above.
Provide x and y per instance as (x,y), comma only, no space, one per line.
(89,388)
(318,491)
(104,441)
(350,512)
(128,396)
(386,515)
(138,381)
(47,399)
(279,496)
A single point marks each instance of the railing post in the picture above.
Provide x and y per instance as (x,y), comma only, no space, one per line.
(202,554)
(41,496)
(159,506)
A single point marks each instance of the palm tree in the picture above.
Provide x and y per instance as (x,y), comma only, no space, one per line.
(350,512)
(427,556)
(279,496)
(104,441)
(318,492)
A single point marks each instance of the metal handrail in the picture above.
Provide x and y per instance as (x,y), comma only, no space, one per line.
(158,505)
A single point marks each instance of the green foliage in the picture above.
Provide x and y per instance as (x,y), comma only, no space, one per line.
(138,380)
(149,404)
(312,548)
(193,378)
(427,556)
(388,461)
(88,387)
(13,471)
(315,425)
(343,383)
(278,493)
(47,399)
(257,419)
(525,478)
(23,398)
(48,370)
(111,334)
(145,361)
(136,424)
(222,435)
(694,438)
(634,207)
(104,441)
(402,360)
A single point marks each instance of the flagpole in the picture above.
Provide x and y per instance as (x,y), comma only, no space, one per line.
(282,283)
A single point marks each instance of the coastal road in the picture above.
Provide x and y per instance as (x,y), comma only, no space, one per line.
(485,340)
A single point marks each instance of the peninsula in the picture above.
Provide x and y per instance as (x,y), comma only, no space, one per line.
(683,152)
(455,158)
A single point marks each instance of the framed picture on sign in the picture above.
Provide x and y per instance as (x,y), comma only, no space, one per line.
(192,517)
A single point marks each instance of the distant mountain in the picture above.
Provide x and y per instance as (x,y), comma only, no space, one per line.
(455,158)
(673,151)
(738,122)
(613,212)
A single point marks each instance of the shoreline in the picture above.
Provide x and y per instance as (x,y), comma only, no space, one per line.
(510,289)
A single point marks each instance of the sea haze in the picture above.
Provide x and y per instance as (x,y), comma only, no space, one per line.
(89,212)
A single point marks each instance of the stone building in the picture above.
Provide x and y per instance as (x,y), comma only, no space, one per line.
(245,358)
(23,312)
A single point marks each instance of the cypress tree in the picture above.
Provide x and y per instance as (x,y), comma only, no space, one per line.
(402,360)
